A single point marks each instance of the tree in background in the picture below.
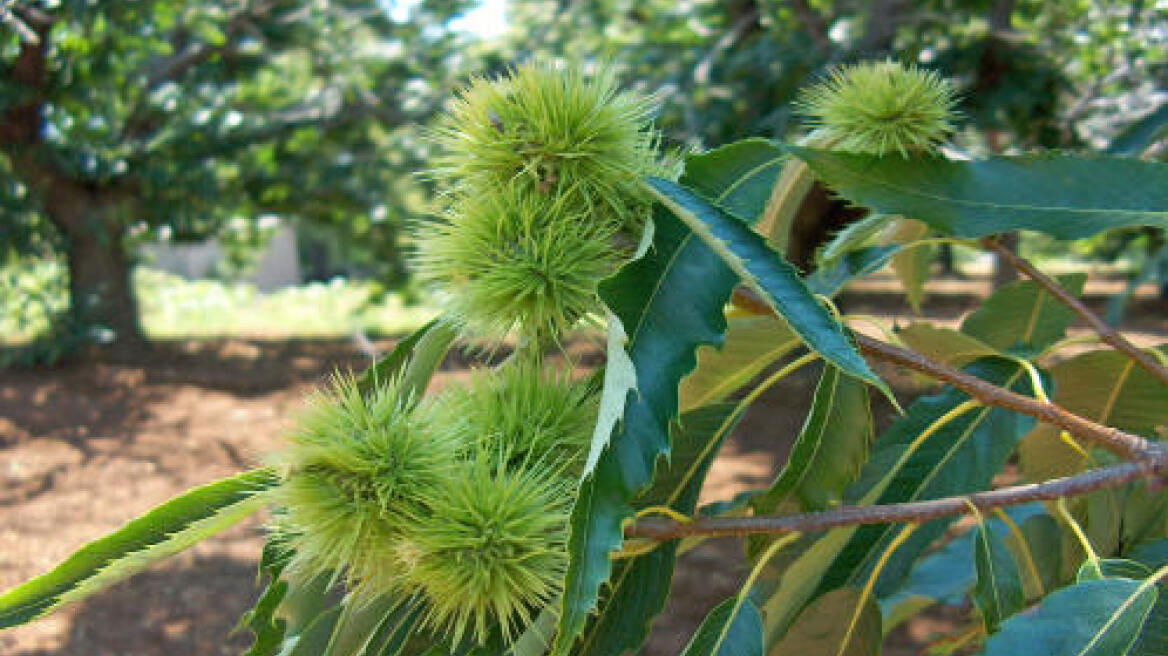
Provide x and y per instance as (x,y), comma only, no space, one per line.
(123,119)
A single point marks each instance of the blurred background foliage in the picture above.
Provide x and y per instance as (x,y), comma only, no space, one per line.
(123,123)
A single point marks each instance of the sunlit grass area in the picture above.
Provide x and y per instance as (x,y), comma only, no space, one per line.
(33,291)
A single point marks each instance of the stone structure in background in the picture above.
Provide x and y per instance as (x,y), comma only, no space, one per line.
(277,266)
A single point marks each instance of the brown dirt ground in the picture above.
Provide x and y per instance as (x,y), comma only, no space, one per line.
(84,447)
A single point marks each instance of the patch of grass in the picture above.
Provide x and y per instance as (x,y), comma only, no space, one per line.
(33,291)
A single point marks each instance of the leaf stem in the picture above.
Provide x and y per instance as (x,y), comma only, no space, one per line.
(1106,333)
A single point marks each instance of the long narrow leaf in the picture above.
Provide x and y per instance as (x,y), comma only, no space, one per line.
(747,253)
(164,531)
(1063,196)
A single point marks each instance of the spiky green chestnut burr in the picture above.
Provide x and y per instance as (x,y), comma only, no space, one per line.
(532,414)
(354,464)
(492,548)
(508,259)
(880,107)
(555,132)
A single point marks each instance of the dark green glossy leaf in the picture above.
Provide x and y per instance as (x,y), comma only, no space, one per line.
(663,306)
(830,280)
(1093,618)
(164,531)
(741,174)
(1024,317)
(728,633)
(1063,196)
(831,447)
(823,626)
(747,253)
(998,591)
(640,586)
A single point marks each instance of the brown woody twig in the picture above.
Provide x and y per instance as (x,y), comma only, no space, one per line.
(1120,442)
(1108,334)
(1150,460)
(656,528)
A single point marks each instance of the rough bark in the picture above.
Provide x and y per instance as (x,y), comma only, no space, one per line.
(101,293)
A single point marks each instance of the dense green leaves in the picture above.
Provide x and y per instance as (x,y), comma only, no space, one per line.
(1093,618)
(729,630)
(164,531)
(1023,316)
(1063,196)
(747,253)
(936,449)
(962,454)
(662,307)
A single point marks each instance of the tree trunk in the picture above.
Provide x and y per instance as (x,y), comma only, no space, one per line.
(101,293)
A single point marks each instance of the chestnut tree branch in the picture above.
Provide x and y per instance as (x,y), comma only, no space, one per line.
(1120,442)
(658,528)
(1108,334)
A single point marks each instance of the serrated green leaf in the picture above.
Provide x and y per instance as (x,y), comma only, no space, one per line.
(829,451)
(911,265)
(1064,196)
(823,626)
(668,303)
(855,236)
(748,254)
(1094,618)
(830,280)
(739,175)
(725,632)
(946,345)
(961,456)
(164,531)
(998,590)
(1024,317)
(752,344)
(640,586)
(267,628)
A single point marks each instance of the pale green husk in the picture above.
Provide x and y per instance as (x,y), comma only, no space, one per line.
(353,465)
(555,132)
(511,260)
(491,549)
(880,107)
(530,413)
